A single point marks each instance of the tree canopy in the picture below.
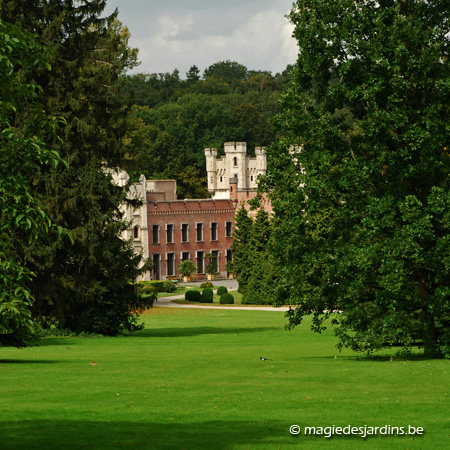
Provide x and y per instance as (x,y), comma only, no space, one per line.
(173,120)
(360,183)
(26,134)
(84,285)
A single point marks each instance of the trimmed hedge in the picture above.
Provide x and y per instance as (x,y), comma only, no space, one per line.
(207,295)
(169,286)
(193,296)
(227,299)
(221,290)
(206,284)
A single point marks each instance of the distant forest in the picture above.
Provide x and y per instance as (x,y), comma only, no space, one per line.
(174,119)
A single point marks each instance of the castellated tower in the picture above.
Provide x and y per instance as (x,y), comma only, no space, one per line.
(235,165)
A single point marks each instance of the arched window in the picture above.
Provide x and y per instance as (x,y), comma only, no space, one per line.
(136,232)
(235,161)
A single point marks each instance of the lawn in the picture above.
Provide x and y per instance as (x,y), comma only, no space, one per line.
(194,380)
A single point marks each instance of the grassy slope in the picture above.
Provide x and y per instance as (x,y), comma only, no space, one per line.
(193,380)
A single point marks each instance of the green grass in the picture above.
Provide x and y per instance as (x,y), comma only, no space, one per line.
(193,380)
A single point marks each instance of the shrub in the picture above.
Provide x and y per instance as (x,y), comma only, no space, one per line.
(207,284)
(226,299)
(193,296)
(221,290)
(207,295)
(145,289)
(169,286)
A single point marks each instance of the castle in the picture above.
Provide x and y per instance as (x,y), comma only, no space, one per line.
(166,230)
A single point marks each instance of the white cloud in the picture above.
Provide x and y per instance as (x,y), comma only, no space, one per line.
(253,33)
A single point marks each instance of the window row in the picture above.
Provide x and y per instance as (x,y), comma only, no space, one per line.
(200,258)
(186,232)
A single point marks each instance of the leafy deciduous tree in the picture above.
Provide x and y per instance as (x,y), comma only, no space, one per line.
(26,132)
(363,225)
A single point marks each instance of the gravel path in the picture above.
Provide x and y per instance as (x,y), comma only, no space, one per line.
(166,302)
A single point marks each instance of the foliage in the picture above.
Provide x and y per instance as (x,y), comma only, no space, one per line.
(226,299)
(207,295)
(80,283)
(231,268)
(193,296)
(211,267)
(241,246)
(206,284)
(169,286)
(227,71)
(187,268)
(26,133)
(362,207)
(156,286)
(257,272)
(221,290)
(173,120)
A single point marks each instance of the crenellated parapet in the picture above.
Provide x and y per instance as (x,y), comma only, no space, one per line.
(236,165)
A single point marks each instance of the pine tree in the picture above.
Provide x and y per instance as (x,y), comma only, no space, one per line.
(242,247)
(85,286)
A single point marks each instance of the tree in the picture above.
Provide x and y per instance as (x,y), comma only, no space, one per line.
(26,132)
(241,247)
(362,226)
(262,272)
(227,71)
(193,74)
(85,286)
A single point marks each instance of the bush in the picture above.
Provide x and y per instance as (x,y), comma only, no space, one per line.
(226,299)
(169,286)
(207,295)
(221,290)
(145,289)
(207,284)
(193,296)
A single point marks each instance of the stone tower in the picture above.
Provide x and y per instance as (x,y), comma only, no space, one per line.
(236,165)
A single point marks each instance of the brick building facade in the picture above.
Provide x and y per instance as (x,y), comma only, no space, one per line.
(166,230)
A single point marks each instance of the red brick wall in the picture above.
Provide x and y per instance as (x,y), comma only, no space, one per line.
(190,212)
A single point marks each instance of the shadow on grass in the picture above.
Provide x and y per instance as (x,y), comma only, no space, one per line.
(29,361)
(197,331)
(208,435)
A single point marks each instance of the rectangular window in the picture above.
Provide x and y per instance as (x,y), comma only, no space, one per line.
(214,231)
(155,234)
(170,264)
(228,229)
(199,231)
(185,256)
(169,233)
(200,262)
(184,232)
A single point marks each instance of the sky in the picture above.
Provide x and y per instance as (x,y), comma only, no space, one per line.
(177,34)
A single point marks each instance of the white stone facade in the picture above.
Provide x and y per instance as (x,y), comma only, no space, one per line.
(236,164)
(137,231)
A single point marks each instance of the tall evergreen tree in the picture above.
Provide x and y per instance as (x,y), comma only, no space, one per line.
(84,286)
(241,248)
(261,273)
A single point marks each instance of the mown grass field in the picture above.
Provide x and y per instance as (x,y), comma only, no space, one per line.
(193,379)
